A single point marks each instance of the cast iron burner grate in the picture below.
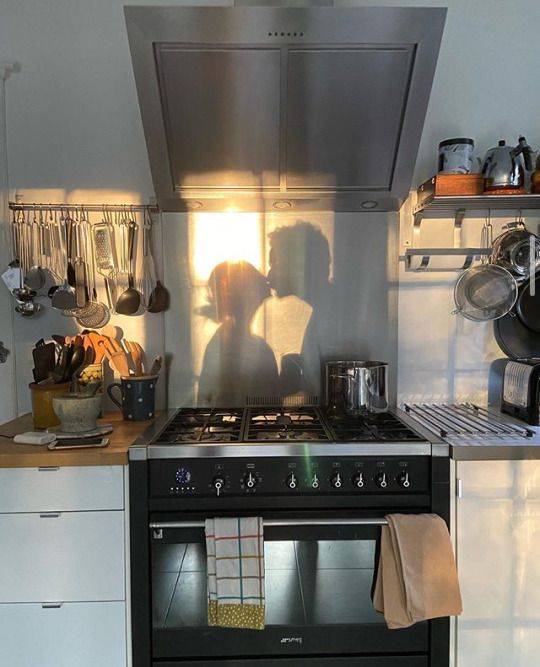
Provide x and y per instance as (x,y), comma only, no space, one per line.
(279,424)
(203,425)
(381,427)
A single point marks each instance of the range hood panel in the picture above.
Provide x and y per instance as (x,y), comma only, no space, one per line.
(221,114)
(343,131)
(314,107)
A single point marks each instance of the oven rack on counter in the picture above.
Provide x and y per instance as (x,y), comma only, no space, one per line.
(464,420)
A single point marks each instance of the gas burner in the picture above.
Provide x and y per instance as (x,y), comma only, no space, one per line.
(203,425)
(283,418)
(382,427)
(287,435)
(277,424)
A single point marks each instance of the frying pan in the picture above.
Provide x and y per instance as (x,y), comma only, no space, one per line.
(518,333)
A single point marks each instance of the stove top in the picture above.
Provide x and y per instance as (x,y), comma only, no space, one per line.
(282,425)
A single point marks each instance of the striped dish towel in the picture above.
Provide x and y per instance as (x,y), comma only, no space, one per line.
(235,568)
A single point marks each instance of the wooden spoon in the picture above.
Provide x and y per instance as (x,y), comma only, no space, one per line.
(120,362)
(137,354)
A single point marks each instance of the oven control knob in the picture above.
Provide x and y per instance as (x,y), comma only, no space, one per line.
(336,481)
(250,481)
(315,481)
(380,480)
(403,479)
(218,483)
(291,482)
(358,480)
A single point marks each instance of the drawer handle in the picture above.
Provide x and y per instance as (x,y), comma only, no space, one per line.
(50,515)
(52,605)
(48,468)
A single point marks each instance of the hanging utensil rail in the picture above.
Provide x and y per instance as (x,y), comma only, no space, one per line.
(67,244)
(19,206)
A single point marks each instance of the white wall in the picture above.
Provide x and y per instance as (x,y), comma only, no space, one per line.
(75,134)
(484,84)
(8,402)
(482,89)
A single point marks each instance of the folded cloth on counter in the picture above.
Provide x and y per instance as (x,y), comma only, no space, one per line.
(417,578)
(235,567)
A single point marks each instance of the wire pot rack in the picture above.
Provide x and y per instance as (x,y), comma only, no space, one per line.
(464,420)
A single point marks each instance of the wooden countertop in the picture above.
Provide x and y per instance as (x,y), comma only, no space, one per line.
(14,455)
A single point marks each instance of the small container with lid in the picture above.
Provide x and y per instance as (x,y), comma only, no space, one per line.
(456,156)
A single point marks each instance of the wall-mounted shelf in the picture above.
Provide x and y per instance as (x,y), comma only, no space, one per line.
(459,205)
(479,202)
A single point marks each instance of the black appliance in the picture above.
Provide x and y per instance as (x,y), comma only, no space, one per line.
(518,332)
(521,391)
(323,485)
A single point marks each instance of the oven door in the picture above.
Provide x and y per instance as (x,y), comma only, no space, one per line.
(318,573)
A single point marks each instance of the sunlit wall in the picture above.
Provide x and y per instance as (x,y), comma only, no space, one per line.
(264,299)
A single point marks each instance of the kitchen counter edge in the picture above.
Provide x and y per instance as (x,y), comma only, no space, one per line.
(124,435)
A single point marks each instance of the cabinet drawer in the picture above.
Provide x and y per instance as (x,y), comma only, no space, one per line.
(61,489)
(81,634)
(71,556)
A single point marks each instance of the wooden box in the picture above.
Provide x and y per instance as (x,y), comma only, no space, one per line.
(450,184)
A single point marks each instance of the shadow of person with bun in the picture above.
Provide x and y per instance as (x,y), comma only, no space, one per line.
(237,363)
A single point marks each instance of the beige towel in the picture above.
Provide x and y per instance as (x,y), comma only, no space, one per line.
(417,578)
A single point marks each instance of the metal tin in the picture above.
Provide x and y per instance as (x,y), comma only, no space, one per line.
(356,387)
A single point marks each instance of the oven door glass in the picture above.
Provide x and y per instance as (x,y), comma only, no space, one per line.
(318,596)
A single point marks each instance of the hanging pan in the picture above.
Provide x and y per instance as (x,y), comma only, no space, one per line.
(518,333)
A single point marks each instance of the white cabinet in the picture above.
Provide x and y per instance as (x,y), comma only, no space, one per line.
(498,557)
(63,567)
(69,635)
(61,489)
(62,556)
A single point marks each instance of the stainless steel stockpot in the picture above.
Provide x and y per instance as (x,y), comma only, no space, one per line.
(356,387)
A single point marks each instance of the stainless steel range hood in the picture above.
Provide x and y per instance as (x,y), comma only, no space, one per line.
(282,107)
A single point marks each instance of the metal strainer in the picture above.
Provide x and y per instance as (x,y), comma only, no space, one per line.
(485,292)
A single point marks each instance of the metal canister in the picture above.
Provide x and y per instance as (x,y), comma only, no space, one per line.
(356,387)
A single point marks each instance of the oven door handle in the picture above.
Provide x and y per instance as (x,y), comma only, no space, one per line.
(375,521)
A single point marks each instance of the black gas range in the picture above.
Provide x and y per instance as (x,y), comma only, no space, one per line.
(323,484)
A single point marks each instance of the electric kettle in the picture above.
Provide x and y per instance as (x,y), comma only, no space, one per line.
(502,167)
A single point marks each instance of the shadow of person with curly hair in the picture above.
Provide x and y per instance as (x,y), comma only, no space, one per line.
(300,266)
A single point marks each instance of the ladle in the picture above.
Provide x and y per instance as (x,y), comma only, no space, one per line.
(130,300)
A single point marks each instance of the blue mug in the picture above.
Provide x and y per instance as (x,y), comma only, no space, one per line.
(138,397)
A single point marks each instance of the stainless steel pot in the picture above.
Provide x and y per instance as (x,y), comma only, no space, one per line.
(356,387)
(517,250)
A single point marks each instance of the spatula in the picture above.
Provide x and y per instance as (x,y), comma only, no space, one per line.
(156,365)
(64,297)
